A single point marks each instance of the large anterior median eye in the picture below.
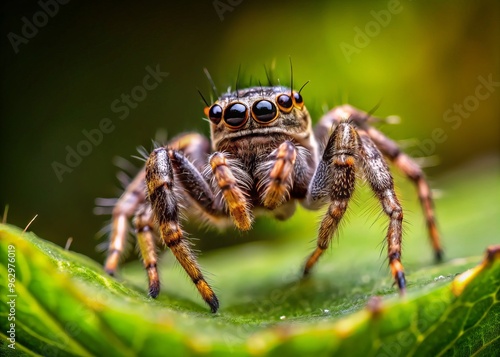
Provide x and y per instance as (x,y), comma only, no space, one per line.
(264,111)
(235,115)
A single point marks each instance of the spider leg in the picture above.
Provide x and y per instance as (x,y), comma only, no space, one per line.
(194,184)
(196,148)
(378,175)
(391,150)
(189,154)
(231,181)
(144,225)
(164,202)
(276,175)
(333,180)
(132,198)
(411,169)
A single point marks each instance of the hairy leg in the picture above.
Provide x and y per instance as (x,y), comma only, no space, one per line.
(164,202)
(334,181)
(411,169)
(390,149)
(232,183)
(378,175)
(127,205)
(275,175)
(144,228)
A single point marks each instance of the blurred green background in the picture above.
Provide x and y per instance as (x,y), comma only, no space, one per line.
(420,59)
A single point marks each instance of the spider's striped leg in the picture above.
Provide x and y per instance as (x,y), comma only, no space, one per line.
(378,175)
(144,227)
(276,175)
(232,182)
(132,198)
(333,180)
(411,169)
(160,186)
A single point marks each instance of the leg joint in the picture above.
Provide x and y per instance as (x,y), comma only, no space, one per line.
(394,256)
(174,242)
(196,279)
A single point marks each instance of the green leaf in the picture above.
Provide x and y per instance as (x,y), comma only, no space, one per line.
(66,305)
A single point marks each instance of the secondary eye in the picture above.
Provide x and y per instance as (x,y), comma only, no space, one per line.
(264,111)
(298,100)
(235,115)
(215,113)
(285,103)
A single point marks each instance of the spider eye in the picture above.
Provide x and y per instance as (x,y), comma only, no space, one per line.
(298,100)
(215,113)
(264,111)
(285,103)
(235,115)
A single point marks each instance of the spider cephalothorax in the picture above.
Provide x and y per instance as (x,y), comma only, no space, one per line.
(263,156)
(257,111)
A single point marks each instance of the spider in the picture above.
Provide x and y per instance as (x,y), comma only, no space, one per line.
(263,156)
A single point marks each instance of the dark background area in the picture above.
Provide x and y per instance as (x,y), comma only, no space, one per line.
(420,62)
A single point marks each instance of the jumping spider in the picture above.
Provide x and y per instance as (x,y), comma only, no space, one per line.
(263,156)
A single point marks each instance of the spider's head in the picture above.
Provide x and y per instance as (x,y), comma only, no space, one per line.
(258,111)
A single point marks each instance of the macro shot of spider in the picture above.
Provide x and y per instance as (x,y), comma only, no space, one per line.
(263,157)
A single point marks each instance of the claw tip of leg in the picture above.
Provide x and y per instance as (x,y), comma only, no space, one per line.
(401,281)
(439,256)
(154,290)
(214,304)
